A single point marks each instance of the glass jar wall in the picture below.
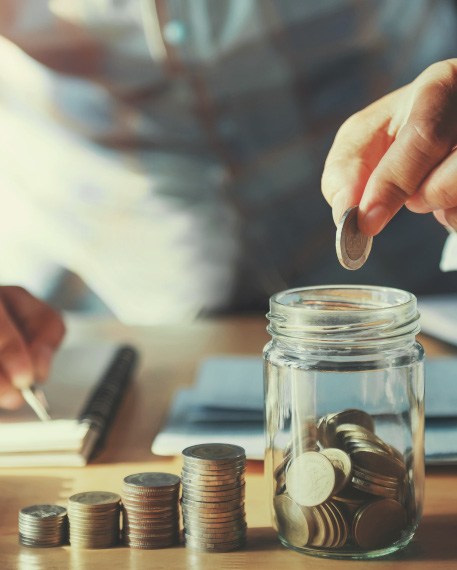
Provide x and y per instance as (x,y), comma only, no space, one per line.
(344,390)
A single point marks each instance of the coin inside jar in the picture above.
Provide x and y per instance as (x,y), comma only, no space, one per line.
(294,522)
(352,247)
(379,523)
(310,479)
(342,465)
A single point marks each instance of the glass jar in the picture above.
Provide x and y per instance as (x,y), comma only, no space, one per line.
(344,393)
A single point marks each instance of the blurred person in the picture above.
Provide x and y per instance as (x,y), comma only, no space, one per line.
(169,154)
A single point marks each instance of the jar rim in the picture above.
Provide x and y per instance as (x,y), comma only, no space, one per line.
(277,298)
(343,313)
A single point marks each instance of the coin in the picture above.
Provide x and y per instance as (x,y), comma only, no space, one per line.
(320,534)
(94,518)
(367,471)
(197,487)
(310,479)
(151,510)
(218,453)
(213,497)
(43,526)
(212,546)
(378,524)
(151,481)
(328,425)
(342,465)
(343,527)
(214,517)
(378,461)
(352,246)
(295,523)
(94,499)
(205,506)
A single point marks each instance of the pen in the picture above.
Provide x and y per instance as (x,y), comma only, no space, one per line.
(35,398)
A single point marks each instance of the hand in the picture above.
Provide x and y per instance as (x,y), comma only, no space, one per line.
(399,150)
(30,332)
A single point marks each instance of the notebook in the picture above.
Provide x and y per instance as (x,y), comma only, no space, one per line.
(439,316)
(84,389)
(226,405)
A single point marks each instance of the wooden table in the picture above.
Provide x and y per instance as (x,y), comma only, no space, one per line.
(169,359)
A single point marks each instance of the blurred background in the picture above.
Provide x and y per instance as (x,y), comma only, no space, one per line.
(161,159)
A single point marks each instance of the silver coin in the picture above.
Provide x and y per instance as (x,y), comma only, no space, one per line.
(214,488)
(152,479)
(213,496)
(220,507)
(352,247)
(211,481)
(206,515)
(25,541)
(214,547)
(43,511)
(93,499)
(214,452)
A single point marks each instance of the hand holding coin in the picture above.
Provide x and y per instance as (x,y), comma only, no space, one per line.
(400,150)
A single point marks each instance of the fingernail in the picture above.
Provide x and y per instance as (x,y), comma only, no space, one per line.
(43,361)
(338,206)
(11,400)
(373,221)
(22,380)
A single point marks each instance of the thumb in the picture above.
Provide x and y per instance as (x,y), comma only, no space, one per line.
(426,138)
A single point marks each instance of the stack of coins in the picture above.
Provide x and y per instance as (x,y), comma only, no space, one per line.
(341,485)
(213,497)
(94,519)
(43,526)
(151,510)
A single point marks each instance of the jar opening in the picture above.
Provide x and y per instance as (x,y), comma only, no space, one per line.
(342,313)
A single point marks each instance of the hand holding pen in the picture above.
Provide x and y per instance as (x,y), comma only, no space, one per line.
(30,333)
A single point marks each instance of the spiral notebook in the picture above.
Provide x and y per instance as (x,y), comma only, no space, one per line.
(84,389)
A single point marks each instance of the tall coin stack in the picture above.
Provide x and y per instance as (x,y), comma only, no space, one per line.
(43,526)
(94,519)
(151,510)
(213,491)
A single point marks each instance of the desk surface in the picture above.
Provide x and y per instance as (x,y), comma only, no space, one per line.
(169,359)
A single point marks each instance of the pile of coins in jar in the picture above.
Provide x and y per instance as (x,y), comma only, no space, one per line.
(147,515)
(340,486)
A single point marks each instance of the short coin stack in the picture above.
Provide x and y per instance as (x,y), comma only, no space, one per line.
(43,526)
(341,485)
(151,510)
(213,490)
(94,519)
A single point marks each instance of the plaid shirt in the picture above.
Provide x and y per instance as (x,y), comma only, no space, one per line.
(170,152)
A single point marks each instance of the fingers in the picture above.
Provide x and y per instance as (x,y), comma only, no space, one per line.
(439,190)
(16,368)
(358,147)
(422,143)
(383,156)
(10,397)
(30,332)
(41,326)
